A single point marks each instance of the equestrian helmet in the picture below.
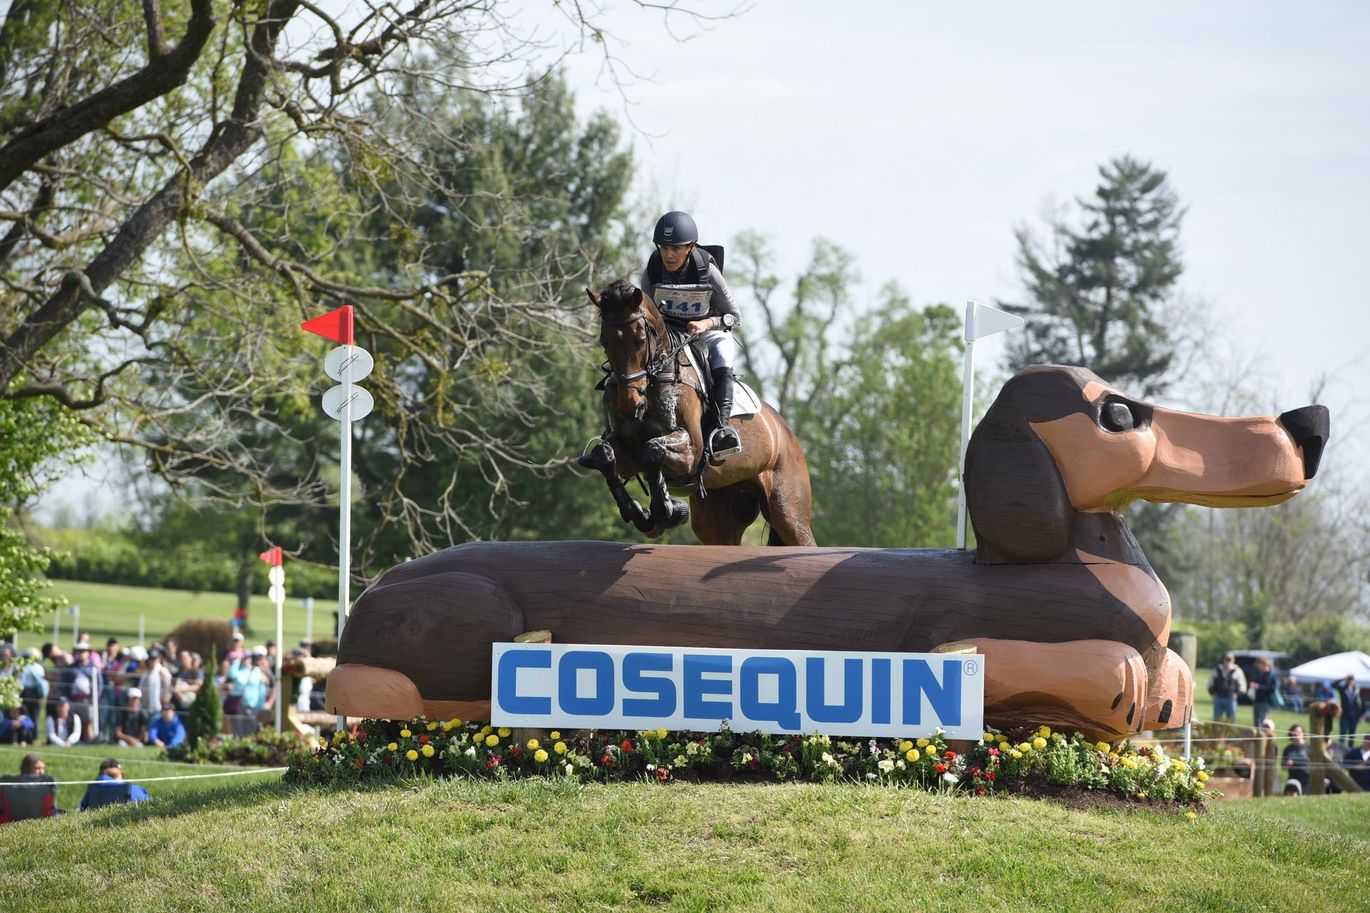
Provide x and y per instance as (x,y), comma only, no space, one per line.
(675,229)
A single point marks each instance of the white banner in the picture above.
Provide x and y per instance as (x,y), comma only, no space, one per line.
(597,686)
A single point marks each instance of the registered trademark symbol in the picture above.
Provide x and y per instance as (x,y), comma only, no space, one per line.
(972,667)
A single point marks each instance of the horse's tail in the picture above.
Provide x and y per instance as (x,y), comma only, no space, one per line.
(774,538)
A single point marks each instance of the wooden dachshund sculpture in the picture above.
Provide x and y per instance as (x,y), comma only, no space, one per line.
(1057,596)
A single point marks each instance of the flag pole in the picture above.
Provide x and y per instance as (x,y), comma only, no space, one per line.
(345,513)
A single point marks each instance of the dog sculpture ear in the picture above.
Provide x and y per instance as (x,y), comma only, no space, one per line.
(1017,500)
(594,299)
(637,297)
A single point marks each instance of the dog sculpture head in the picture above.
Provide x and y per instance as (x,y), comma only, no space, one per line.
(1059,441)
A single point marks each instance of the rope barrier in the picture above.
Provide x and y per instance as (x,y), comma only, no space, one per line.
(231,773)
(106,751)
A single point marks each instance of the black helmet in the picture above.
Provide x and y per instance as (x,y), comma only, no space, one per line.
(674,229)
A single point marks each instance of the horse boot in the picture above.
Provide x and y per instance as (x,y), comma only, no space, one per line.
(724,440)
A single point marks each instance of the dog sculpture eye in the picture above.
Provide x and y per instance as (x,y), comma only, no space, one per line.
(1117,416)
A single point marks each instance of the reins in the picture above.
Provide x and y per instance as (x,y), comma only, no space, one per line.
(655,369)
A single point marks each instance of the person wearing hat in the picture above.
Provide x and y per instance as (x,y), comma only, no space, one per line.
(80,683)
(133,722)
(236,650)
(110,780)
(166,731)
(1226,682)
(251,681)
(33,683)
(155,683)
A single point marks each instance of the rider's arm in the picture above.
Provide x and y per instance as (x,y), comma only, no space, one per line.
(721,301)
(646,285)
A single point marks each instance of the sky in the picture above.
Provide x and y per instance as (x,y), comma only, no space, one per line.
(918,135)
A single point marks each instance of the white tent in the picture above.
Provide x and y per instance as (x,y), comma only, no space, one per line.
(1335,668)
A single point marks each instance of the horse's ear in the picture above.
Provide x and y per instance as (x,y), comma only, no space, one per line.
(594,299)
(637,297)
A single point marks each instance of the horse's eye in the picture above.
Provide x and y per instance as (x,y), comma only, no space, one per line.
(1117,416)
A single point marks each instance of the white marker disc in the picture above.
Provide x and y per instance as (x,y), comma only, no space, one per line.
(276,594)
(336,397)
(352,358)
(276,575)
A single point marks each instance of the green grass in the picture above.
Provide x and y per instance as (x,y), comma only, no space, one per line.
(82,762)
(536,845)
(112,610)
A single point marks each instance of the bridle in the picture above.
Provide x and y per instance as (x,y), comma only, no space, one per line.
(660,368)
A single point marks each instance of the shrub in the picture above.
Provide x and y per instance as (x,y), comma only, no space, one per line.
(205,718)
(267,748)
(205,636)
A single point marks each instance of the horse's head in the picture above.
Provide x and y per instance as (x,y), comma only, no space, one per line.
(632,333)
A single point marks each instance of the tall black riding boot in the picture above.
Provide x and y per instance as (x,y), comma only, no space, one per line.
(725,439)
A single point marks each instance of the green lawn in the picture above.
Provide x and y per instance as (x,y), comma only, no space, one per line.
(113,610)
(537,845)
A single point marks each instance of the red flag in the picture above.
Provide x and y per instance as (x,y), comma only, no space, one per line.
(272,556)
(335,325)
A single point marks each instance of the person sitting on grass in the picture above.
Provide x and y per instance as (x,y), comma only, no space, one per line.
(109,788)
(133,721)
(17,728)
(1295,760)
(167,730)
(64,727)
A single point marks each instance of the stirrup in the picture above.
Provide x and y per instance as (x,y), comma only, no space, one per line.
(723,442)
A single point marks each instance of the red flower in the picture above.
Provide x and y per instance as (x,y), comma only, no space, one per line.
(989,775)
(493,762)
(607,761)
(979,790)
(358,762)
(940,768)
(423,739)
(627,745)
(950,755)
(994,752)
(662,773)
(975,771)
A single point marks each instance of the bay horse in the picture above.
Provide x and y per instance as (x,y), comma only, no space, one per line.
(654,407)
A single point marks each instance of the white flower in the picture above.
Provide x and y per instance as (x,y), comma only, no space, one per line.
(949,777)
(886,766)
(900,764)
(470,752)
(570,769)
(870,776)
(827,758)
(651,767)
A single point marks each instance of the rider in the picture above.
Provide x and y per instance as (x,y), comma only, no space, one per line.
(688,287)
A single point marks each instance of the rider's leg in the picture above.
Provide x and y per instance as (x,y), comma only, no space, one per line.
(722,347)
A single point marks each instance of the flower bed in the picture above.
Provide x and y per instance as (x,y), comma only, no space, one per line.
(267,748)
(1022,761)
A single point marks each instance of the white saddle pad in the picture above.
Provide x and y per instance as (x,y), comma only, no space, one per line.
(745,400)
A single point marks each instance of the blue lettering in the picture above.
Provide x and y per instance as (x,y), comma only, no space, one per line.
(880,691)
(601,702)
(509,664)
(696,708)
(783,710)
(634,664)
(820,711)
(944,696)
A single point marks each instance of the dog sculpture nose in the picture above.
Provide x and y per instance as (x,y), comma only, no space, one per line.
(1309,427)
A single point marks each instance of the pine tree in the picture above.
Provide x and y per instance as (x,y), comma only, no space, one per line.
(205,718)
(1099,295)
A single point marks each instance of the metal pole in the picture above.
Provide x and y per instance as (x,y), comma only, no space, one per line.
(345,512)
(280,633)
(967,395)
(1186,742)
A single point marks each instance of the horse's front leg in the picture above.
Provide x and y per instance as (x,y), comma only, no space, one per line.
(668,451)
(603,459)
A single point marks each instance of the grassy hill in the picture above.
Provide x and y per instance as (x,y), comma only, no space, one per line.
(112,610)
(536,845)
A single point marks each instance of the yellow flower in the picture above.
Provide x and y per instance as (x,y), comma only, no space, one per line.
(532,743)
(912,754)
(433,725)
(922,743)
(1203,776)
(412,755)
(540,756)
(1104,747)
(905,745)
(452,724)
(1191,816)
(1014,753)
(427,751)
(661,733)
(987,737)
(482,731)
(504,732)
(1044,731)
(393,747)
(1039,743)
(492,740)
(559,747)
(405,733)
(1025,746)
(554,735)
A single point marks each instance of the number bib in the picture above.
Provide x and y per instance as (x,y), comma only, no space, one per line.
(683,302)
